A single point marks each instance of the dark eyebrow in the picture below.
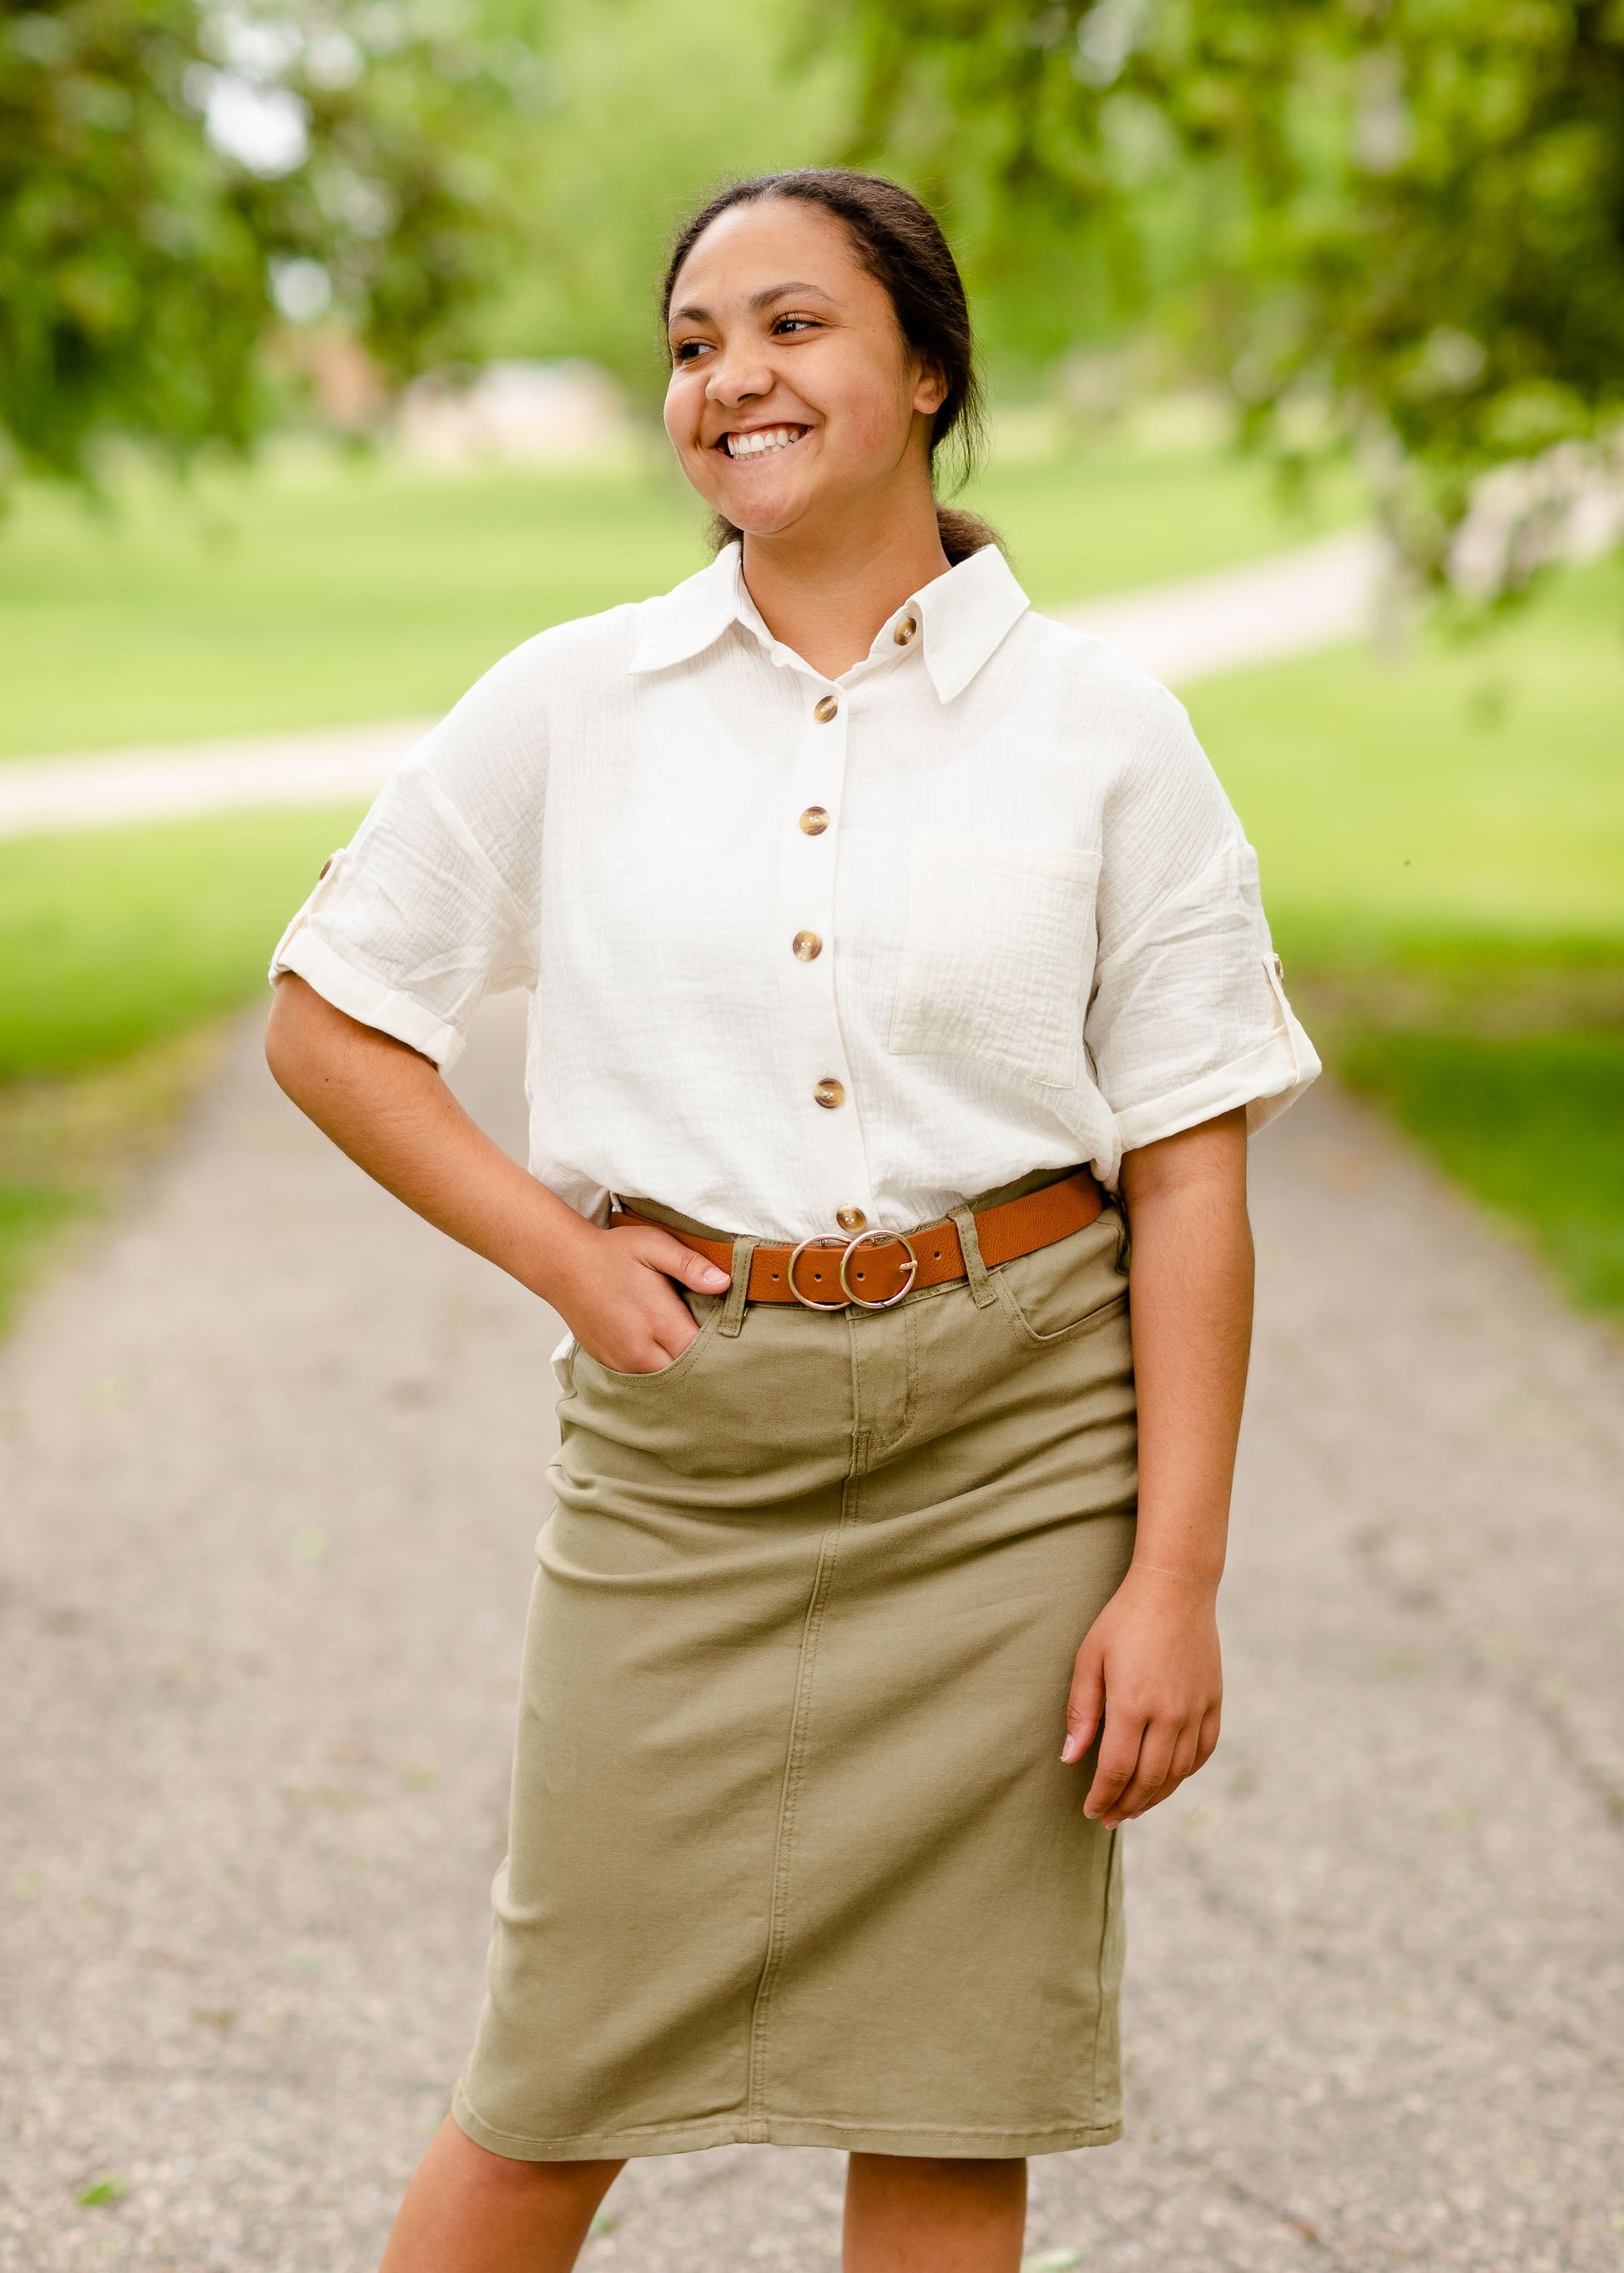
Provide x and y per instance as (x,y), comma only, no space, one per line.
(781,292)
(756,303)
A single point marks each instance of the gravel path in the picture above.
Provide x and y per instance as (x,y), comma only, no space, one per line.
(271,1454)
(1289,604)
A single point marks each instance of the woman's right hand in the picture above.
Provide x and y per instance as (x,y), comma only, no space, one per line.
(386,1106)
(614,1294)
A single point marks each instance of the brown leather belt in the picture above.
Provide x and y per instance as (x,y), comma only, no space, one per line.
(878,1268)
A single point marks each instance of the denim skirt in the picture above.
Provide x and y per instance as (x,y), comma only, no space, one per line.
(791,1856)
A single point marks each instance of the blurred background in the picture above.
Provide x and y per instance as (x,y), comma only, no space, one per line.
(328,371)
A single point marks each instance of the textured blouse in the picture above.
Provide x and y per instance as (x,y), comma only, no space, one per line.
(810,953)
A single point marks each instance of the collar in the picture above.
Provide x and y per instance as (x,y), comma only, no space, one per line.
(965,614)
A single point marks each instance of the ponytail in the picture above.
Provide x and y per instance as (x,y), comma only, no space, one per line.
(963,533)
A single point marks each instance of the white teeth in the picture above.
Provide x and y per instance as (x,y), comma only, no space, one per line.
(763,439)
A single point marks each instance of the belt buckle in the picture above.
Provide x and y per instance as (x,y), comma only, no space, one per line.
(885,1302)
(796,1252)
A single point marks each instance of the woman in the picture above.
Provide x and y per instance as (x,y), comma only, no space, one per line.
(885,939)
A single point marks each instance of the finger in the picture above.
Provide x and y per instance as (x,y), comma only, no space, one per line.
(667,1343)
(1184,1763)
(1156,1759)
(1186,1757)
(1119,1753)
(678,1261)
(1206,1743)
(1084,1706)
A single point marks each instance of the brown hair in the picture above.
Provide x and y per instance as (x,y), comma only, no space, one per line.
(900,244)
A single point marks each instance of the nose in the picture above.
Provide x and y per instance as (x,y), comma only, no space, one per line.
(736,378)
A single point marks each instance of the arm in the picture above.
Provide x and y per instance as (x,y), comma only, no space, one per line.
(1149,1664)
(387,1106)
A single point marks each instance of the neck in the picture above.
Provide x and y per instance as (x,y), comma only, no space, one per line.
(826,592)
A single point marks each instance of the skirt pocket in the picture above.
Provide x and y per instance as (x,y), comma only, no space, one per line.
(707,1309)
(1069,1287)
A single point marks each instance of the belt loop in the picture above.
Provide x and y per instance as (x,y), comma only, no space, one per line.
(981,1289)
(737,1294)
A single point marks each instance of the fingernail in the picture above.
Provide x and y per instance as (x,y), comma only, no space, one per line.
(1070,1750)
(715,1280)
(1093,1814)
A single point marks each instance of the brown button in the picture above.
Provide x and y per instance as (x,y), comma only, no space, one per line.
(815,821)
(850,1219)
(830,1093)
(904,631)
(826,707)
(1280,968)
(326,864)
(806,945)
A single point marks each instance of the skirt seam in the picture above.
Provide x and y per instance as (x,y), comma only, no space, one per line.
(776,2129)
(784,1844)
(1106,1908)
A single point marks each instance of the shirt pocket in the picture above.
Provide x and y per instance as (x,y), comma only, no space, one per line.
(998,952)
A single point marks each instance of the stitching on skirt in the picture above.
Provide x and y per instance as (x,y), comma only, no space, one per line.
(755,2121)
(882,1447)
(1107,1908)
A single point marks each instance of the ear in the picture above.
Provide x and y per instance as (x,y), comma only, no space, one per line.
(930,388)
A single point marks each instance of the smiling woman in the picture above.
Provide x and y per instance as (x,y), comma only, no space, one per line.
(889,944)
(893,274)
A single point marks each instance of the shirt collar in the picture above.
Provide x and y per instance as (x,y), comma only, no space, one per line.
(692,615)
(964,615)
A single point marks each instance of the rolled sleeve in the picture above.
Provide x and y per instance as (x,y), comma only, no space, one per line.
(432,905)
(1188,1018)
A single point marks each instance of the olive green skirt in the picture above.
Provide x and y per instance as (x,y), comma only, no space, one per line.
(791,1856)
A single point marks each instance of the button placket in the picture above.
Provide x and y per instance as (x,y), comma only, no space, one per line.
(807,949)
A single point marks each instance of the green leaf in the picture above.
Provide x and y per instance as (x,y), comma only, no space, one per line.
(104,2190)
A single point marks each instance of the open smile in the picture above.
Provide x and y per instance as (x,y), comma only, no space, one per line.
(760,441)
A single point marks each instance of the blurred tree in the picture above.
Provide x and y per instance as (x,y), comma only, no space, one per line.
(175,180)
(645,107)
(1397,224)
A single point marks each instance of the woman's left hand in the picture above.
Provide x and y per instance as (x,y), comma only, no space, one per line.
(1149,1667)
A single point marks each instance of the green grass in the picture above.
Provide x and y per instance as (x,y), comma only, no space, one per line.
(122,949)
(1532,1124)
(1441,844)
(1472,788)
(1111,518)
(33,1217)
(326,590)
(71,1144)
(118,939)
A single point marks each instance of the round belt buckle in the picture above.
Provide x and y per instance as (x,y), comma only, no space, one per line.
(862,1238)
(795,1255)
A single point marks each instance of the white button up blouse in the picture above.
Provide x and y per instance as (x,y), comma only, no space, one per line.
(805,950)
